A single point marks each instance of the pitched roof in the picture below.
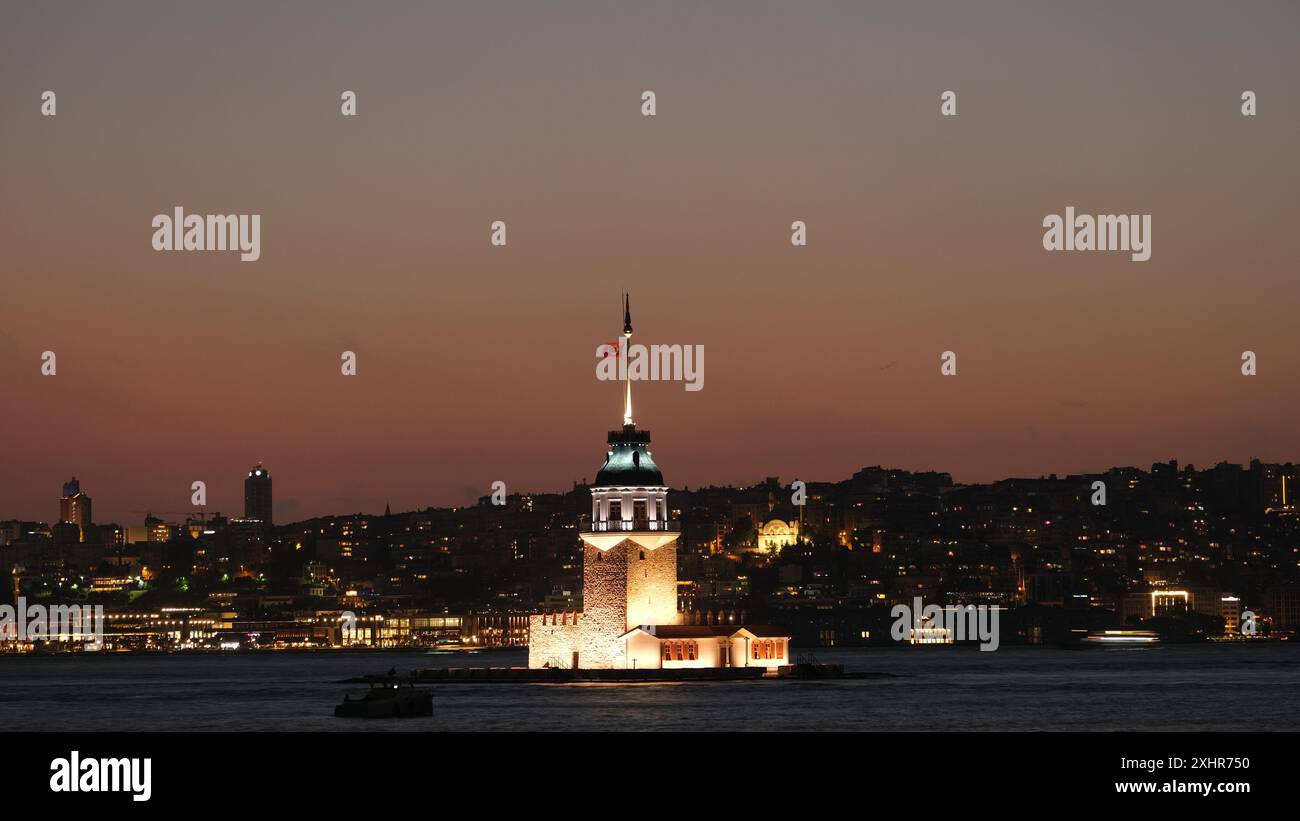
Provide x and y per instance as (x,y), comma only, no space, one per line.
(692,631)
(767,631)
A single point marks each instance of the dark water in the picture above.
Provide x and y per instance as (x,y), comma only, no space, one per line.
(1201,687)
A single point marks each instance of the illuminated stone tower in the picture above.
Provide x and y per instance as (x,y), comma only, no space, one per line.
(629,547)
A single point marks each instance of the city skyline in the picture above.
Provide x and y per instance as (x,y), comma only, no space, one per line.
(233,510)
(1213,549)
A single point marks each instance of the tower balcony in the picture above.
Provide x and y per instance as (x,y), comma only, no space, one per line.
(630,435)
(644,525)
(647,533)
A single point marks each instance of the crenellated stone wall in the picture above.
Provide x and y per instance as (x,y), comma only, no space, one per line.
(553,638)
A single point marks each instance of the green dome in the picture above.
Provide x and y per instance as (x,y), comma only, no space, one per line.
(628,463)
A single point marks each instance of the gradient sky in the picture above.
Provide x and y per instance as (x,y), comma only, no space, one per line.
(476,363)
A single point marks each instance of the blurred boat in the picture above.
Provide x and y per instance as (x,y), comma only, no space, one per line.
(1120,638)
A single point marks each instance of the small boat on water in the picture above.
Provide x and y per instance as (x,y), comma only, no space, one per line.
(1120,638)
(387,698)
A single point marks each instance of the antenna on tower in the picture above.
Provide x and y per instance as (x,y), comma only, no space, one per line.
(626,352)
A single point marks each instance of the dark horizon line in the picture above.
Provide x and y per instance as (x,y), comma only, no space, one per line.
(686,488)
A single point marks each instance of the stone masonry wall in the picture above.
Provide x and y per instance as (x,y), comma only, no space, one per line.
(551,643)
(604,606)
(651,585)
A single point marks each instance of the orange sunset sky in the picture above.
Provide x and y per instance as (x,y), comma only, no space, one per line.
(477,363)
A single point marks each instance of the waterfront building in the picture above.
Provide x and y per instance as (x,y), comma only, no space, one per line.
(1230,608)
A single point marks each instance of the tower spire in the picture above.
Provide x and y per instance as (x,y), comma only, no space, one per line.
(627,371)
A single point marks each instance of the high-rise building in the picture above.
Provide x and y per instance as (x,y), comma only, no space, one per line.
(1230,609)
(629,617)
(257,495)
(74,506)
